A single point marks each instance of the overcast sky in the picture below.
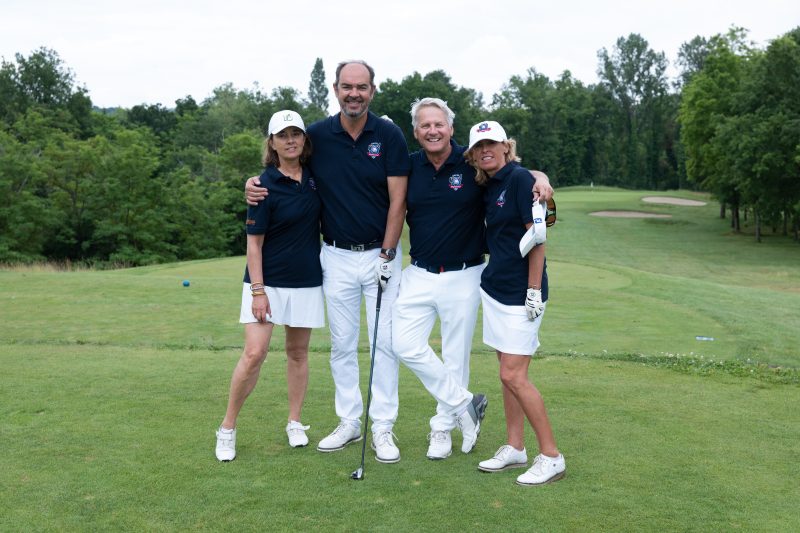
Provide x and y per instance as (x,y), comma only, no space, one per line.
(156,51)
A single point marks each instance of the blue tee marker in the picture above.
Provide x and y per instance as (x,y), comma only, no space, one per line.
(186,283)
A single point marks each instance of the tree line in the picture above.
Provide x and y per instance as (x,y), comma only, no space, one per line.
(153,184)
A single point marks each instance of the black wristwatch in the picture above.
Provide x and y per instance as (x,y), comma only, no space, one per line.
(389,252)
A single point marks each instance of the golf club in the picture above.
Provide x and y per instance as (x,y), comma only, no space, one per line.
(359,474)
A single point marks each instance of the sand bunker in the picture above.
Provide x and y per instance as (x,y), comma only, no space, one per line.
(628,214)
(671,201)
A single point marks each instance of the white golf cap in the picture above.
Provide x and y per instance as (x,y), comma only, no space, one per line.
(536,234)
(283,119)
(488,129)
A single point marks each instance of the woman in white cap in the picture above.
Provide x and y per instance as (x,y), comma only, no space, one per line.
(283,277)
(513,293)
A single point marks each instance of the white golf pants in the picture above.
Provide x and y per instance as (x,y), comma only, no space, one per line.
(346,275)
(454,298)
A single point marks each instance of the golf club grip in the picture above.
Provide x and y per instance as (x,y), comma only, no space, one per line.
(371,369)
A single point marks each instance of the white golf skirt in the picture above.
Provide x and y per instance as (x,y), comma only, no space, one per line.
(299,308)
(506,327)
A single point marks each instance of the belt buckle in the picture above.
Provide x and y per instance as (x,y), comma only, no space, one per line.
(357,248)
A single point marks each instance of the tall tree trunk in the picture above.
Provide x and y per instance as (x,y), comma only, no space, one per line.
(785,221)
(757,219)
(722,210)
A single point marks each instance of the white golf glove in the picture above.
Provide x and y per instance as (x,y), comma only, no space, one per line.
(383,271)
(533,304)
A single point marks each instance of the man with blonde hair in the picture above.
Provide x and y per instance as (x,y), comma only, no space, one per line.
(445,215)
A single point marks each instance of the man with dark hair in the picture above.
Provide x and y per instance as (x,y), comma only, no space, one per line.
(361,166)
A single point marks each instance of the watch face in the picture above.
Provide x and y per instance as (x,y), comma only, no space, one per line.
(389,252)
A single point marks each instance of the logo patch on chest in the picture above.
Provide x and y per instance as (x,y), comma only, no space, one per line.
(456,181)
(501,200)
(374,150)
(312,184)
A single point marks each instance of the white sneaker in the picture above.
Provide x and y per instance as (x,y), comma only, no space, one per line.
(226,444)
(343,435)
(544,470)
(385,449)
(470,421)
(441,446)
(297,434)
(505,458)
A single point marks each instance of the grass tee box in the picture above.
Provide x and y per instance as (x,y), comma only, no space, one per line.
(113,383)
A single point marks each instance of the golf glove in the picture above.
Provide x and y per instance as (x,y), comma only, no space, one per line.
(533,304)
(383,271)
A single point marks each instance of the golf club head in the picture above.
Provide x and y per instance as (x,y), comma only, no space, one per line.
(358,475)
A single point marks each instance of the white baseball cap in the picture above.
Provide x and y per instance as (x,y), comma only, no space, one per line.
(488,129)
(536,234)
(283,119)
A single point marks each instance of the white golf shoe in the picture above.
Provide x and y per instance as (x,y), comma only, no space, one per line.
(297,434)
(226,444)
(544,470)
(385,449)
(470,421)
(441,446)
(343,435)
(505,458)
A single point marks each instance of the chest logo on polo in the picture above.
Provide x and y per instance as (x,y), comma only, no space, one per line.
(456,181)
(501,200)
(312,184)
(374,150)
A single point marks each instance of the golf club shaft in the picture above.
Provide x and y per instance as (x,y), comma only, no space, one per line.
(371,369)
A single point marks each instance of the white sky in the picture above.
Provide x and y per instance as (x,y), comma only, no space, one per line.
(156,51)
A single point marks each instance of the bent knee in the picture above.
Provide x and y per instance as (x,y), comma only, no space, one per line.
(513,380)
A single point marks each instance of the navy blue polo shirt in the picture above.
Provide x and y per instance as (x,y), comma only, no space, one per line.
(289,220)
(351,176)
(445,210)
(508,203)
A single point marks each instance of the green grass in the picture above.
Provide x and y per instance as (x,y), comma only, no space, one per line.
(114,381)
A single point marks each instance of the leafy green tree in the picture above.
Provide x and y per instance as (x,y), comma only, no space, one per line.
(23,213)
(394,100)
(160,120)
(526,108)
(691,58)
(185,106)
(635,76)
(765,129)
(318,90)
(42,80)
(227,112)
(710,96)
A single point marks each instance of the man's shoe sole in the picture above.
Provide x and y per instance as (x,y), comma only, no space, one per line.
(553,479)
(507,467)
(342,447)
(438,457)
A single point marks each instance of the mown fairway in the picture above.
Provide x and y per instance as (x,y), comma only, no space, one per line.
(113,383)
